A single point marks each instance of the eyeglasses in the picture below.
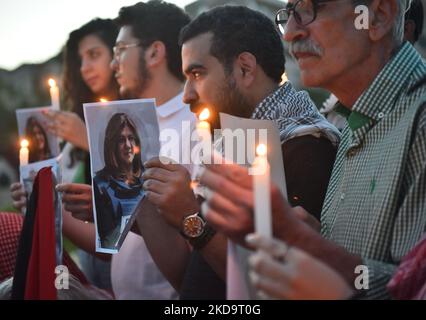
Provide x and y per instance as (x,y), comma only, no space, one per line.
(120,48)
(304,12)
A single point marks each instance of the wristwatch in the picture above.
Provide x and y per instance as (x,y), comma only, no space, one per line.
(197,231)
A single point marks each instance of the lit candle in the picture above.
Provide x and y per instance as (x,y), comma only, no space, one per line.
(103,100)
(262,192)
(54,94)
(204,133)
(24,153)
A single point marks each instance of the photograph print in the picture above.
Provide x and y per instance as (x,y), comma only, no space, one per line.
(122,136)
(32,126)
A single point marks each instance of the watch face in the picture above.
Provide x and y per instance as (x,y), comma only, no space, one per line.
(193,226)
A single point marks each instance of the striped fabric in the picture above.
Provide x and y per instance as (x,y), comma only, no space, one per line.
(376,200)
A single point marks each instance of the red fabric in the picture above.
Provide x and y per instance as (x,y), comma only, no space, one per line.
(10,229)
(40,284)
(409,281)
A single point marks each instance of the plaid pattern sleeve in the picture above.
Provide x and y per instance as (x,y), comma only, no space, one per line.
(375,205)
(10,230)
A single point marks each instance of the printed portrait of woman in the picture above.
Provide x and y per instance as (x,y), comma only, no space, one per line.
(39,149)
(118,186)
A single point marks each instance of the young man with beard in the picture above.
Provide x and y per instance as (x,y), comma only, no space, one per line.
(233,60)
(375,208)
(147,64)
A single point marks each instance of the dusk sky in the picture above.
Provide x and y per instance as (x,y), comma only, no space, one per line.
(34,31)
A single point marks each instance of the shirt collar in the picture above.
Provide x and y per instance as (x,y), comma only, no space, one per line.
(173,105)
(378,100)
(355,119)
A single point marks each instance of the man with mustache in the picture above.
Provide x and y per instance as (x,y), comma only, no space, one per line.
(233,61)
(375,207)
(412,31)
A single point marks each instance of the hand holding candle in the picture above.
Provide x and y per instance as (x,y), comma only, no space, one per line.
(262,192)
(54,94)
(24,153)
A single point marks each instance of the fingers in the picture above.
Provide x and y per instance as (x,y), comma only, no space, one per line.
(60,123)
(309,219)
(17,192)
(233,172)
(51,114)
(215,219)
(19,204)
(229,208)
(80,211)
(274,247)
(15,186)
(77,198)
(60,117)
(235,225)
(269,287)
(74,188)
(163,163)
(227,188)
(158,174)
(155,186)
(79,208)
(153,197)
(83,216)
(270,275)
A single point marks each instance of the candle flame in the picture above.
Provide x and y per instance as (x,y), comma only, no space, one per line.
(24,143)
(261,150)
(284,78)
(204,115)
(52,83)
(103,100)
(193,185)
(136,149)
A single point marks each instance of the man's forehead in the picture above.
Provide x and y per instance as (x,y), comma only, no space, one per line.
(199,45)
(125,34)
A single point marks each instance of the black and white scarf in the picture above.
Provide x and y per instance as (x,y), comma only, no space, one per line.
(296,115)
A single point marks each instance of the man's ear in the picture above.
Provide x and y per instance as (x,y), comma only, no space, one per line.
(245,68)
(155,53)
(382,14)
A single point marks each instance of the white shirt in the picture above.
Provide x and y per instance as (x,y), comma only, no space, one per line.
(134,274)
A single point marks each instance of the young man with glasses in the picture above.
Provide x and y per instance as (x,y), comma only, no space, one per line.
(375,207)
(147,64)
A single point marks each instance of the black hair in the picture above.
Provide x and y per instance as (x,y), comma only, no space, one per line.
(237,29)
(157,21)
(76,91)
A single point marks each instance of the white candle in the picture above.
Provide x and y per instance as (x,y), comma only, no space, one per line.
(54,94)
(204,133)
(24,153)
(262,192)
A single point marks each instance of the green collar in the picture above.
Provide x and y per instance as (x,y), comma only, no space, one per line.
(355,119)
